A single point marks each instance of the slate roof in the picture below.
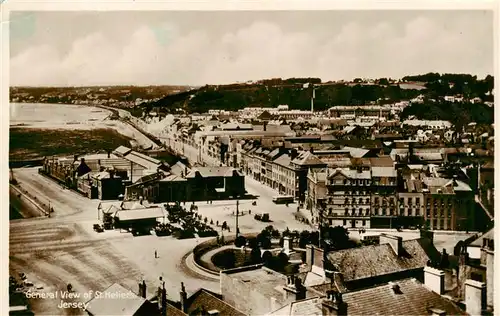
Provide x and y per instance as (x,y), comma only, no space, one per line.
(205,300)
(143,160)
(283,160)
(306,158)
(377,260)
(213,172)
(106,305)
(415,299)
(411,298)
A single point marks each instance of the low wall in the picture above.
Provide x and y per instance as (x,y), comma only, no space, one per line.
(208,245)
(24,163)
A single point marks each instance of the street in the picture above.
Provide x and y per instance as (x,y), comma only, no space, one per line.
(64,249)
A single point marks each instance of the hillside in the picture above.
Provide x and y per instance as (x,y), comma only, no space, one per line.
(273,92)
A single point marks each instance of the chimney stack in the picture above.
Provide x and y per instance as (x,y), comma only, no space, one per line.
(109,154)
(294,286)
(142,289)
(183,296)
(434,280)
(396,242)
(475,297)
(333,304)
(427,234)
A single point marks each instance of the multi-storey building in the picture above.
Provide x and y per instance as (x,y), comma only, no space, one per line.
(384,209)
(449,204)
(348,198)
(411,203)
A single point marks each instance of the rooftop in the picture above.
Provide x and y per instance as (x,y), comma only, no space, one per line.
(214,172)
(147,213)
(377,260)
(203,300)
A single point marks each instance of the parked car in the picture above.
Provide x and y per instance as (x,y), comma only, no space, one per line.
(98,228)
(263,217)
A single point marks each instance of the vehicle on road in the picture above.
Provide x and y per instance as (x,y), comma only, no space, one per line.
(283,199)
(98,228)
(370,239)
(263,217)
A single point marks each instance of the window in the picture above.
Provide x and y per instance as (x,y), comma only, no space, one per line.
(344,222)
(417,212)
(410,201)
(417,201)
(364,222)
(367,200)
(376,200)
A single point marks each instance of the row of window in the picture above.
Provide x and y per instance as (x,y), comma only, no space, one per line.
(350,182)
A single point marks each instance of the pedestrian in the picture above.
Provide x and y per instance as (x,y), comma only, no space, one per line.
(229,229)
(156,254)
(250,212)
(217,223)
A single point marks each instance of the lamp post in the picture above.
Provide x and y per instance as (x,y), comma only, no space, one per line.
(237,214)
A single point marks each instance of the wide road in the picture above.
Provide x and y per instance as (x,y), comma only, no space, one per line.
(64,249)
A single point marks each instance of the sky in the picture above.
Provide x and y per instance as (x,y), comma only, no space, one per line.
(219,47)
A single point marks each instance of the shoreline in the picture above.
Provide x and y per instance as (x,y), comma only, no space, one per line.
(111,120)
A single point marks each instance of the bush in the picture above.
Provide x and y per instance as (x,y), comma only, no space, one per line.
(267,259)
(240,241)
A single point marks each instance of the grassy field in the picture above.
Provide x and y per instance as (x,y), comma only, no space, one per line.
(30,143)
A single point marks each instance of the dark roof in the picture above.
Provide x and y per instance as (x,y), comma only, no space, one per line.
(413,299)
(214,172)
(377,260)
(206,300)
(410,298)
(174,311)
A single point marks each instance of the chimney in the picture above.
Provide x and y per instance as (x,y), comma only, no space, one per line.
(109,154)
(294,287)
(162,297)
(183,296)
(142,289)
(427,234)
(475,297)
(434,280)
(287,244)
(333,304)
(396,242)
